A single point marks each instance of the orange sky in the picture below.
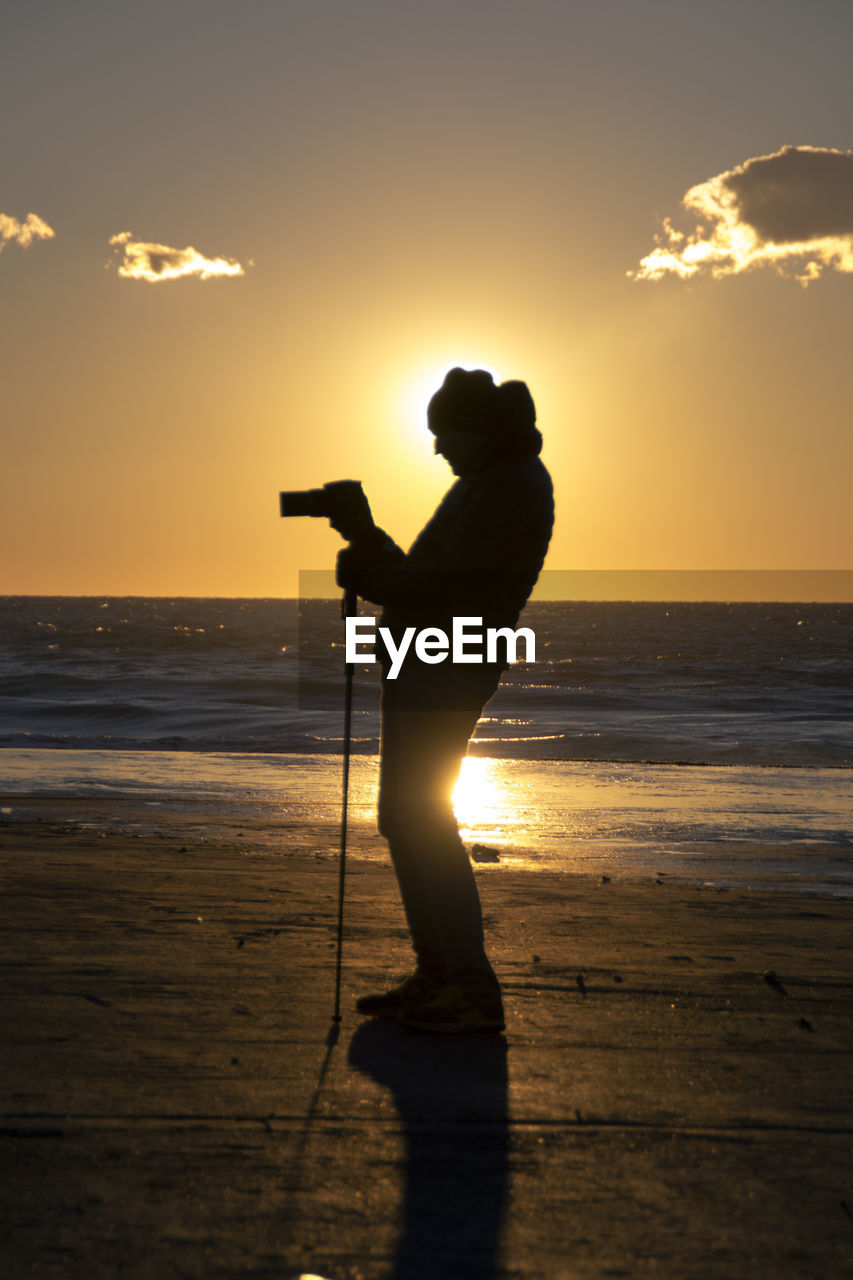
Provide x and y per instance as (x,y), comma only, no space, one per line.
(404,188)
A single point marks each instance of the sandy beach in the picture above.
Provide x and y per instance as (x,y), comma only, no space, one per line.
(671,1097)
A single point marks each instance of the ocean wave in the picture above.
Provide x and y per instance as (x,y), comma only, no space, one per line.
(740,684)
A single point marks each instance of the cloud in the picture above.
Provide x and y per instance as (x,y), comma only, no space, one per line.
(792,211)
(141,260)
(23,233)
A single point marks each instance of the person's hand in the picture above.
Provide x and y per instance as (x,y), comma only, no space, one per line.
(347,568)
(351,515)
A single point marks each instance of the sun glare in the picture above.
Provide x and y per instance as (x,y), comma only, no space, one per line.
(481,800)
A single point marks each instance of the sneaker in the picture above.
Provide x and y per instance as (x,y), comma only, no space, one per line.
(453,1011)
(388,1004)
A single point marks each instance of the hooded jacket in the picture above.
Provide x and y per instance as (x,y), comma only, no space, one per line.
(479,555)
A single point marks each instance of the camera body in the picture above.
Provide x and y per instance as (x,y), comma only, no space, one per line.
(330,501)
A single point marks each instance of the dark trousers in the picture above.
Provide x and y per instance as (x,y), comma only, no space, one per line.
(427,718)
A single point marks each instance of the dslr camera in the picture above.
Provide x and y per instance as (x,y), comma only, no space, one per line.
(342,502)
(334,500)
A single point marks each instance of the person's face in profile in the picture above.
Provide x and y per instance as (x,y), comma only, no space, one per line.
(464,451)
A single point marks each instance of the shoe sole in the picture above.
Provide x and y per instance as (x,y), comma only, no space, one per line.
(387,1006)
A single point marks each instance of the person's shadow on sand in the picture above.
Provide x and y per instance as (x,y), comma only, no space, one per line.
(451,1094)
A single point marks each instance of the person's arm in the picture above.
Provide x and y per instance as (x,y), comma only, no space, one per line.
(367,561)
(478,556)
(370,551)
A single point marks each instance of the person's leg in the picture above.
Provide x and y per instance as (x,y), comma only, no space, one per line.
(423,744)
(399,798)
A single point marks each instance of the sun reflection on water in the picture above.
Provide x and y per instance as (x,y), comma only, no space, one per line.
(488,803)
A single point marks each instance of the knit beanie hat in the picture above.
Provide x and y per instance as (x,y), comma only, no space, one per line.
(469,401)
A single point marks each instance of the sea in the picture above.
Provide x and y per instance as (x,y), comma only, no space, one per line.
(712,741)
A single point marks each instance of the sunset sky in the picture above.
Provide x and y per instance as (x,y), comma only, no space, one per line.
(241,243)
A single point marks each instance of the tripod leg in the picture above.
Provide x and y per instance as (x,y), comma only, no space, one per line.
(349,608)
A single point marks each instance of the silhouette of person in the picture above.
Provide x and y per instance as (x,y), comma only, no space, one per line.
(452,1101)
(478,557)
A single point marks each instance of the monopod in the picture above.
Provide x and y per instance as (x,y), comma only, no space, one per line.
(349,608)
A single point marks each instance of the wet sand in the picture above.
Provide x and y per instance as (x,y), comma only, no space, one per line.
(671,1097)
